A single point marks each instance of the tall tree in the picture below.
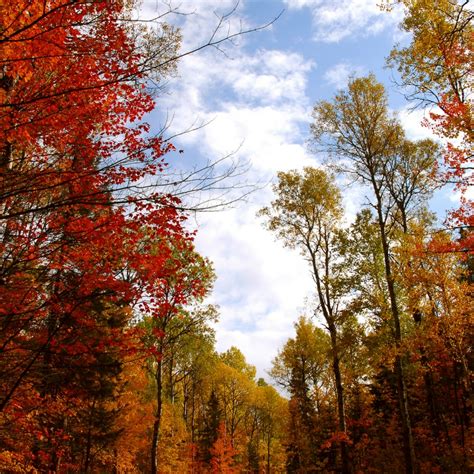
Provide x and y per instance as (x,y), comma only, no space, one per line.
(65,98)
(301,367)
(75,262)
(267,418)
(440,297)
(305,215)
(436,70)
(185,285)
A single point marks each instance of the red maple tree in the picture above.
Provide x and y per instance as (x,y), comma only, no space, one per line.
(82,247)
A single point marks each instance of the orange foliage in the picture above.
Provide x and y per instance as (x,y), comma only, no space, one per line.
(223,453)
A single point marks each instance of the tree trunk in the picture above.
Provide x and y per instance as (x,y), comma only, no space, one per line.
(87,455)
(326,306)
(341,412)
(408,445)
(157,422)
(269,440)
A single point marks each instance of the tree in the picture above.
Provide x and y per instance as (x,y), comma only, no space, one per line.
(222,453)
(367,143)
(234,358)
(62,94)
(267,415)
(305,215)
(301,367)
(188,284)
(233,389)
(80,251)
(436,69)
(272,413)
(440,296)
(60,88)
(194,361)
(212,422)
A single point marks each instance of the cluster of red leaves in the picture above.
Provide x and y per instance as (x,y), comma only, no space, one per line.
(455,123)
(336,438)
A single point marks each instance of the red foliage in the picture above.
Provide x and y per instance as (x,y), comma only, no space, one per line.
(455,123)
(80,250)
(222,453)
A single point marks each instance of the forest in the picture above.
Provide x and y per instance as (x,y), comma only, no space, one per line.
(108,359)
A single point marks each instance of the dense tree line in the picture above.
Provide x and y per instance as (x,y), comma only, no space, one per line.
(394,291)
(107,352)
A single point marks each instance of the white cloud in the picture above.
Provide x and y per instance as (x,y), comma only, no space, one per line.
(270,76)
(334,20)
(255,102)
(339,74)
(412,121)
(260,284)
(210,85)
(269,135)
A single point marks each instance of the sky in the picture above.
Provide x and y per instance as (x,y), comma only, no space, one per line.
(251,101)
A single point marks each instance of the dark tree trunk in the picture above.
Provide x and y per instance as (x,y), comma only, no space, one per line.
(408,445)
(341,412)
(326,306)
(157,422)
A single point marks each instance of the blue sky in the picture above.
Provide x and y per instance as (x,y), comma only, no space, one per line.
(256,97)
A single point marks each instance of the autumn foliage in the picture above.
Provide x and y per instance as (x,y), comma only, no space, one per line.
(436,70)
(82,251)
(107,351)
